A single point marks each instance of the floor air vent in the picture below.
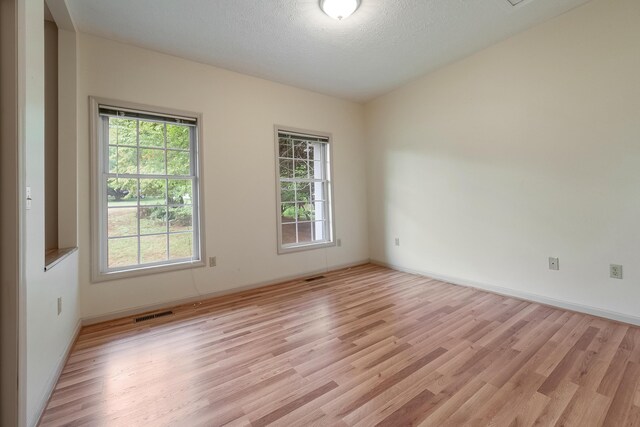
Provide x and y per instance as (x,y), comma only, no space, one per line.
(314,278)
(153,316)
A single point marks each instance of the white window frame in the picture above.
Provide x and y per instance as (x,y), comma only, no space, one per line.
(328,178)
(99,148)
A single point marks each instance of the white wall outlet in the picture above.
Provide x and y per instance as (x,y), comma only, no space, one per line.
(59,305)
(212,261)
(339,242)
(397,241)
(554,263)
(29,199)
(615,271)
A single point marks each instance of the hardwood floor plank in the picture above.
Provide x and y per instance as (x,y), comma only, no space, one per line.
(558,401)
(448,406)
(587,408)
(289,407)
(568,362)
(531,411)
(394,379)
(623,398)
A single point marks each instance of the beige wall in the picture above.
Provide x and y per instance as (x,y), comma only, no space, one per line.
(48,335)
(239,166)
(526,150)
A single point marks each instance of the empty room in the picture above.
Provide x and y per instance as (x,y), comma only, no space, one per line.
(320,213)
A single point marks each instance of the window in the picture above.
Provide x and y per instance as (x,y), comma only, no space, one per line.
(304,191)
(147,197)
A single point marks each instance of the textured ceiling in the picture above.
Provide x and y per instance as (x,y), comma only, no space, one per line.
(384,44)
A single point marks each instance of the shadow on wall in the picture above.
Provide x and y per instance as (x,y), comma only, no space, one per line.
(466,212)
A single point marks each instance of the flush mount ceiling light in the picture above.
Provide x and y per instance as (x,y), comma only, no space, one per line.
(339,9)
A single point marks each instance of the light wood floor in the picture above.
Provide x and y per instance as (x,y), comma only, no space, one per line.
(365,346)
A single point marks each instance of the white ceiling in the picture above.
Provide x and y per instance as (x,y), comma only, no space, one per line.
(384,44)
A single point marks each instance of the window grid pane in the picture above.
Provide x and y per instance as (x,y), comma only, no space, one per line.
(149,182)
(302,171)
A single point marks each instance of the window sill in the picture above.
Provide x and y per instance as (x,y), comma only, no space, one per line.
(146,271)
(53,257)
(300,248)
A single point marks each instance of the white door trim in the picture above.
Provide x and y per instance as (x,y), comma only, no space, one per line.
(12,355)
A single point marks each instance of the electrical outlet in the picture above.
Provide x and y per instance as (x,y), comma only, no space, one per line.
(339,242)
(212,261)
(397,241)
(554,263)
(59,305)
(615,271)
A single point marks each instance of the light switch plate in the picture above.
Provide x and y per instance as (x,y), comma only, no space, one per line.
(554,263)
(29,198)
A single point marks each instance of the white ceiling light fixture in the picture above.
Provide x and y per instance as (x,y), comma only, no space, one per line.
(339,9)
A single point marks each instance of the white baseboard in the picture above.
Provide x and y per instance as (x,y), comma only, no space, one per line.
(91,320)
(567,305)
(53,380)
